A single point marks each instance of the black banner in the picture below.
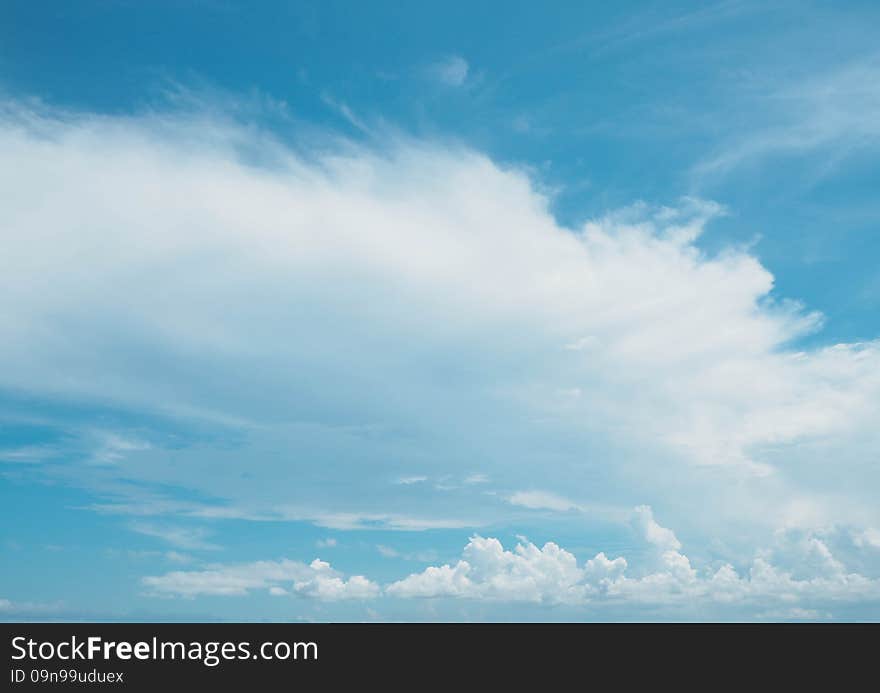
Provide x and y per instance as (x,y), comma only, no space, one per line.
(138,657)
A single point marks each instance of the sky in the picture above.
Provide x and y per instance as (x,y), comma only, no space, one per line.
(439,311)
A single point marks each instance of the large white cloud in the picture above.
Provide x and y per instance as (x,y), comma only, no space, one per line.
(328,320)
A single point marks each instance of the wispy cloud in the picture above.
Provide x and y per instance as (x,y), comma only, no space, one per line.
(193,539)
(344,110)
(550,575)
(422,556)
(542,500)
(835,114)
(452,71)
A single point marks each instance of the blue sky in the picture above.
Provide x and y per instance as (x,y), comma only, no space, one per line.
(365,311)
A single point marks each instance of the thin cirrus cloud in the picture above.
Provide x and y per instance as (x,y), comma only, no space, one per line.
(542,500)
(451,71)
(414,312)
(833,113)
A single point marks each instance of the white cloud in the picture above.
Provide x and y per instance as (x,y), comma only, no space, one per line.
(387,551)
(797,577)
(353,521)
(366,312)
(347,521)
(452,71)
(601,569)
(422,556)
(192,539)
(541,500)
(325,584)
(835,113)
(329,542)
(345,111)
(316,580)
(407,480)
(178,557)
(583,344)
(794,614)
(28,454)
(551,575)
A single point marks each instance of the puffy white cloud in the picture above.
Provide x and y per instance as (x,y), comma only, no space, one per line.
(316,580)
(487,571)
(797,577)
(551,575)
(407,480)
(326,584)
(601,569)
(661,537)
(837,110)
(868,537)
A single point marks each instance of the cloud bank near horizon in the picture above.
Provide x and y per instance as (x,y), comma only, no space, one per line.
(799,572)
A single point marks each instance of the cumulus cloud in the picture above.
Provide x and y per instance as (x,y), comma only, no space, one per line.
(317,580)
(551,575)
(486,571)
(410,312)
